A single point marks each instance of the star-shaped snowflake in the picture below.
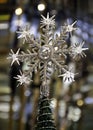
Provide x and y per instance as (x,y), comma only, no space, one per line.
(22,79)
(69,28)
(14,56)
(24,33)
(47,53)
(77,50)
(47,21)
(68,76)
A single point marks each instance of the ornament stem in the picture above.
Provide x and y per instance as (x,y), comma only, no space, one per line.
(44,90)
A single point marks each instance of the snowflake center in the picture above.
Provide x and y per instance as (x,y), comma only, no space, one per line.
(69,28)
(23,79)
(69,74)
(45,52)
(14,56)
(25,32)
(47,21)
(78,50)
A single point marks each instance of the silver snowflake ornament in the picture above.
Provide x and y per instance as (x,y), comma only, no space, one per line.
(46,53)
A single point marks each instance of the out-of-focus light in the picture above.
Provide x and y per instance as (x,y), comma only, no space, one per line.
(4,17)
(33,30)
(4,107)
(91,30)
(18,22)
(74,39)
(53,103)
(79,23)
(89,100)
(3,1)
(15,22)
(74,114)
(90,77)
(77,111)
(54,12)
(62,108)
(41,7)
(69,20)
(77,96)
(84,35)
(90,40)
(78,32)
(18,11)
(4,115)
(80,102)
(56,48)
(4,26)
(27,93)
(85,26)
(16,106)
(85,88)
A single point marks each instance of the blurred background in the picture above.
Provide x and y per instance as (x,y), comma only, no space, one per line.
(72,104)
